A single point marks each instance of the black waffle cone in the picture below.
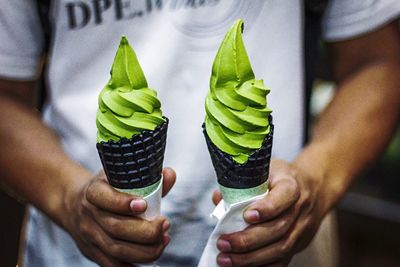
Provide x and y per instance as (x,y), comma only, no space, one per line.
(250,174)
(136,162)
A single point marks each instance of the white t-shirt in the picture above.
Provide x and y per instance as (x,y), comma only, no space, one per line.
(176,42)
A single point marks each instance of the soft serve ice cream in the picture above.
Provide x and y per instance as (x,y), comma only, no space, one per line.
(236,106)
(126,105)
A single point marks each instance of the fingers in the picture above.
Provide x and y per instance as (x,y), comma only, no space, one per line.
(100,194)
(121,251)
(257,235)
(169,177)
(276,254)
(273,254)
(216,197)
(104,260)
(284,192)
(131,252)
(133,229)
(282,223)
(106,230)
(268,241)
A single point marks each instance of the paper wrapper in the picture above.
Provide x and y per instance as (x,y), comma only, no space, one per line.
(230,220)
(241,185)
(134,166)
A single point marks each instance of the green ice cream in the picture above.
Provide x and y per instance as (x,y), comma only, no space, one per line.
(126,105)
(236,105)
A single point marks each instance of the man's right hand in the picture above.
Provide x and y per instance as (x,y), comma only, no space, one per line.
(106,225)
(104,222)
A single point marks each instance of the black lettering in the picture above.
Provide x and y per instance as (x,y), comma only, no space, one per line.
(182,4)
(149,5)
(99,6)
(159,4)
(78,14)
(191,3)
(120,5)
(124,10)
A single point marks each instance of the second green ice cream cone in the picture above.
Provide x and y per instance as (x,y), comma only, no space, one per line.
(238,124)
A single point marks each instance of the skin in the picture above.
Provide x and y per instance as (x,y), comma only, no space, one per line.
(348,137)
(103,221)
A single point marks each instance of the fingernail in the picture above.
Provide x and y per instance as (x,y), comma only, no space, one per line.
(165,226)
(224,261)
(138,205)
(224,245)
(167,168)
(252,215)
(166,240)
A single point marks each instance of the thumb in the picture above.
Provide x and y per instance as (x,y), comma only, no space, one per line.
(100,194)
(169,177)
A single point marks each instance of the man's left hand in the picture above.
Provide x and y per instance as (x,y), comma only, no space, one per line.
(281,224)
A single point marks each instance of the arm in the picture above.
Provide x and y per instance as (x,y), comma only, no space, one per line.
(100,219)
(358,124)
(349,135)
(41,159)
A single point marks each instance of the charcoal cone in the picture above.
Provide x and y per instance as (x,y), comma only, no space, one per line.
(250,174)
(135,162)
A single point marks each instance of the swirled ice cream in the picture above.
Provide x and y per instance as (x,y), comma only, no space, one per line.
(236,106)
(131,131)
(127,106)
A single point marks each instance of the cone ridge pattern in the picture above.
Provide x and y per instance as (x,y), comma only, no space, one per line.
(234,175)
(136,162)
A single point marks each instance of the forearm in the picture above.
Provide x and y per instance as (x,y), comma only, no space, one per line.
(353,131)
(32,162)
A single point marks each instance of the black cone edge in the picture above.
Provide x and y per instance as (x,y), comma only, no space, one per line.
(250,174)
(136,162)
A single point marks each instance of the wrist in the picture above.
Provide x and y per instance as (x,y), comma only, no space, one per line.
(315,171)
(75,180)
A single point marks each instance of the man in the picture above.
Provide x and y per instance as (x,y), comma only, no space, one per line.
(53,164)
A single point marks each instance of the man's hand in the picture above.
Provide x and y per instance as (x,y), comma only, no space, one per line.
(106,226)
(104,222)
(281,224)
(348,136)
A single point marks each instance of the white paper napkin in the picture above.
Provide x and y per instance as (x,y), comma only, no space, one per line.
(230,220)
(153,210)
